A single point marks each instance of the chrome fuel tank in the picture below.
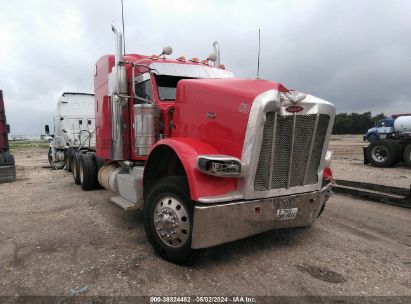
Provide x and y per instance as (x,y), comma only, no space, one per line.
(146,127)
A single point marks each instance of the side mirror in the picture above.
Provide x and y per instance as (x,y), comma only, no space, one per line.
(8,129)
(46,129)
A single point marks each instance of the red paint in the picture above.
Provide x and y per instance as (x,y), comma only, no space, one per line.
(294,109)
(209,116)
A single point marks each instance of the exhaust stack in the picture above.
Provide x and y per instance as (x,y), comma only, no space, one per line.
(217,53)
(119,44)
(118,93)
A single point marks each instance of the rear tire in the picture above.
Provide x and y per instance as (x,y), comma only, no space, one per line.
(67,159)
(75,166)
(383,153)
(87,172)
(168,221)
(407,155)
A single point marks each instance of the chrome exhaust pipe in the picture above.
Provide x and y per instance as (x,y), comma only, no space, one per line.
(118,55)
(216,46)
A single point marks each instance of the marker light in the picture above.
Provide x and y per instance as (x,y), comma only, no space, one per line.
(220,165)
(221,66)
(154,57)
(204,62)
(181,58)
(195,59)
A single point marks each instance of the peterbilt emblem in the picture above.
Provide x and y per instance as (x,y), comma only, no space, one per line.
(295,96)
(211,115)
(294,109)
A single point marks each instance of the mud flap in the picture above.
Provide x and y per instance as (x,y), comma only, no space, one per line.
(7,174)
(366,160)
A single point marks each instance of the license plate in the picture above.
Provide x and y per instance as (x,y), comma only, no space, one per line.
(286,214)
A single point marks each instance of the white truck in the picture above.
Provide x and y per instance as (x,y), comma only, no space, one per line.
(74,128)
(392,145)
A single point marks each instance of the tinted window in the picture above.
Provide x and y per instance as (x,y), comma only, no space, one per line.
(143,90)
(167,86)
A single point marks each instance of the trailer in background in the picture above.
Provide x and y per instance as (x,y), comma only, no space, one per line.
(74,129)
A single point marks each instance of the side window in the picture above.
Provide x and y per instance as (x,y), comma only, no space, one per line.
(143,90)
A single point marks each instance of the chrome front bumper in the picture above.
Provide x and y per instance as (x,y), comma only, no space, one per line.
(222,223)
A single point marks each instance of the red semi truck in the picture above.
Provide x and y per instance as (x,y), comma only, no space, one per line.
(7,165)
(208,157)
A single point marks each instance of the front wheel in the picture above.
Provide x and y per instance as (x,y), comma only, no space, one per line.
(168,221)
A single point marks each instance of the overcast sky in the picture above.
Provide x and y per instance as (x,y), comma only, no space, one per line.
(355,53)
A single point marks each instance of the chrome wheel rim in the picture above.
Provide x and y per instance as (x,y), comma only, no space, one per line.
(379,154)
(171,222)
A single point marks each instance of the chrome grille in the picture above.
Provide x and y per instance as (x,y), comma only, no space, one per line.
(291,151)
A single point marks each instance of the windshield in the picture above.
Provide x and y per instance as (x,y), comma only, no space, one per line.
(167,86)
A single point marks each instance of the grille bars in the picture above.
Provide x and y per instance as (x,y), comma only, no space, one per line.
(311,149)
(270,181)
(291,151)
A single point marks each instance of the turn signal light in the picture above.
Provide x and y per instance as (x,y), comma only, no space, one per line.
(220,165)
(327,174)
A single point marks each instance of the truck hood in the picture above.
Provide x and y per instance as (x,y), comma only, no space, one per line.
(216,111)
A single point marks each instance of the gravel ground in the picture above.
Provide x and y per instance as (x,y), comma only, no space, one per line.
(348,164)
(56,239)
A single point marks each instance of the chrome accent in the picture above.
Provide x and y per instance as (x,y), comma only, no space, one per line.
(210,222)
(146,127)
(216,46)
(119,45)
(229,197)
(171,222)
(119,98)
(220,157)
(270,181)
(189,70)
(311,148)
(291,152)
(260,114)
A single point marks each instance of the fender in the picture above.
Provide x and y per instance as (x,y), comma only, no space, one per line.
(200,184)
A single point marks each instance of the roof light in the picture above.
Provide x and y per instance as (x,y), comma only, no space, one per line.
(181,58)
(221,66)
(195,59)
(204,62)
(154,57)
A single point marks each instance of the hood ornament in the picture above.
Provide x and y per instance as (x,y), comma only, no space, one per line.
(295,96)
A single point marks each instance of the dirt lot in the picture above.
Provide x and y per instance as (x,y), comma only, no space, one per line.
(56,239)
(348,164)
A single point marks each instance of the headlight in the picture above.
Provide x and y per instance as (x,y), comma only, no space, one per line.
(220,165)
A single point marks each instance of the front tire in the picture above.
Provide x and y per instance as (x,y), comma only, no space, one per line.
(168,221)
(372,137)
(67,159)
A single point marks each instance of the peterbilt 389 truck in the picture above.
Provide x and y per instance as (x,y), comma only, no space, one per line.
(7,164)
(74,128)
(208,157)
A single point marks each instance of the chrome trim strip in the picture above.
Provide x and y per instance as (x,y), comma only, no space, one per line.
(270,182)
(291,151)
(228,197)
(311,148)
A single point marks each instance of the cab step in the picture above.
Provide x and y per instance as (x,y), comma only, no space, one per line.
(123,203)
